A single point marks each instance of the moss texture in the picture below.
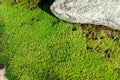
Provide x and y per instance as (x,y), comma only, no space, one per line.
(35,45)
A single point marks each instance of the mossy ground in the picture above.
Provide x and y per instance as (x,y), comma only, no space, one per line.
(35,45)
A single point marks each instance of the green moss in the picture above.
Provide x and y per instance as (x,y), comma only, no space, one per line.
(38,46)
(30,4)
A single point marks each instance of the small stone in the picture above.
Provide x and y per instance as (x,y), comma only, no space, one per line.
(2,72)
(99,12)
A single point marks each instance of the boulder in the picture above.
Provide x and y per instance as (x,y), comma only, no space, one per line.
(99,12)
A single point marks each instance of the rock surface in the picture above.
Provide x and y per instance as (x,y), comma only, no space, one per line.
(99,12)
(2,72)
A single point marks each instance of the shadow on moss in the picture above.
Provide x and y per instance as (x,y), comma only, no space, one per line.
(1,32)
(45,5)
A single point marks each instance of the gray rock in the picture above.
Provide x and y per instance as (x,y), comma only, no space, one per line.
(99,12)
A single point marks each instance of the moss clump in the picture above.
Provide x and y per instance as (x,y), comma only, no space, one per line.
(38,46)
(30,4)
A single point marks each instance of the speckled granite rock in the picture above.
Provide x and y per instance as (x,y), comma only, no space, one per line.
(2,72)
(99,12)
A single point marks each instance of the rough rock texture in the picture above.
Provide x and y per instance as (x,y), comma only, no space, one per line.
(99,12)
(2,72)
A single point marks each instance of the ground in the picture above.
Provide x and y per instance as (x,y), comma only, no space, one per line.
(35,45)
